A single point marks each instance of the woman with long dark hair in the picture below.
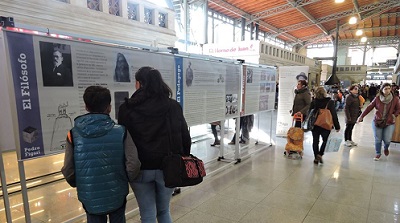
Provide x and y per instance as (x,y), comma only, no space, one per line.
(387,109)
(157,126)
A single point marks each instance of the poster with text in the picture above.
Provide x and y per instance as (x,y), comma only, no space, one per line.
(50,76)
(204,90)
(232,91)
(288,77)
(259,89)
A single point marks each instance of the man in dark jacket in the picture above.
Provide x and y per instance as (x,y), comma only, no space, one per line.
(96,142)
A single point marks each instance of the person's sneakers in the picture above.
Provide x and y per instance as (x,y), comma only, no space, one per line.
(216,143)
(231,143)
(348,143)
(177,190)
(316,161)
(386,152)
(353,143)
(377,157)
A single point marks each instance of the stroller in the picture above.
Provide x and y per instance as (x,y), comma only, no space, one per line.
(295,137)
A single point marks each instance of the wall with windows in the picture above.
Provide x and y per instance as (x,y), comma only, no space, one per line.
(133,21)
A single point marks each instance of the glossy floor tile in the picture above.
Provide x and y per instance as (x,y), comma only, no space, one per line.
(264,186)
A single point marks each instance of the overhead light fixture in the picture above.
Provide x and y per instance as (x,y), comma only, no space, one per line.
(363,39)
(359,32)
(339,1)
(353,20)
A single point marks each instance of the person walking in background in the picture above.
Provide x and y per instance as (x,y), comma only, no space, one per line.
(96,142)
(215,133)
(387,109)
(372,90)
(246,125)
(351,111)
(147,114)
(322,101)
(302,100)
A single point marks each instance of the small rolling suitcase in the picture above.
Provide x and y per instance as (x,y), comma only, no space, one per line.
(295,137)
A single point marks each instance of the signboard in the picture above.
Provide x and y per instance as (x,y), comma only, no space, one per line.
(287,85)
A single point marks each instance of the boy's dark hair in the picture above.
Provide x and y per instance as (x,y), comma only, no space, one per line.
(97,99)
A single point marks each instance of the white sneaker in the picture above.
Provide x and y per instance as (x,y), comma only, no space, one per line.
(353,143)
(348,143)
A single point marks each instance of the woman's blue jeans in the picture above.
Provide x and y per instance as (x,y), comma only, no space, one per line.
(384,134)
(152,196)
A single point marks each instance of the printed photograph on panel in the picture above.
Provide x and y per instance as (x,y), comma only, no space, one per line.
(56,64)
(249,76)
(121,73)
(189,75)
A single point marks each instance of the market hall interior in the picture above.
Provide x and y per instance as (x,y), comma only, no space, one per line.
(265,186)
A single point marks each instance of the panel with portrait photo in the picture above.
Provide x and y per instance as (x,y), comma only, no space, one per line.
(56,64)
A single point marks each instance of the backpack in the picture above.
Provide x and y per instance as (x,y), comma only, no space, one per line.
(324,118)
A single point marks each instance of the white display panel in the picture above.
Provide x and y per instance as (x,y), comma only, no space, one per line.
(204,90)
(287,85)
(50,76)
(259,90)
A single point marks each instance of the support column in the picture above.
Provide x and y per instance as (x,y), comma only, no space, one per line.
(243,29)
(251,31)
(364,53)
(257,30)
(205,11)
(186,22)
(212,28)
(234,30)
(335,49)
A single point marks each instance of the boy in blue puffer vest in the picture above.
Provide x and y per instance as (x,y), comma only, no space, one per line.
(100,159)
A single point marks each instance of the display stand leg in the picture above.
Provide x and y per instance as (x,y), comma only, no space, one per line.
(4,189)
(24,191)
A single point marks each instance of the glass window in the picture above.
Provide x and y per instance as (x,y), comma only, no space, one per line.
(113,7)
(66,1)
(133,11)
(162,19)
(148,16)
(93,4)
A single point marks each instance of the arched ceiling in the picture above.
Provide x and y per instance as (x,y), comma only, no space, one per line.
(308,22)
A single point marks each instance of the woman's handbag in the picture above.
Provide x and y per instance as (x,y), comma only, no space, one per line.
(324,118)
(180,170)
(381,123)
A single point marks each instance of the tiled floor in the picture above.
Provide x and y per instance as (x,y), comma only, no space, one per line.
(265,187)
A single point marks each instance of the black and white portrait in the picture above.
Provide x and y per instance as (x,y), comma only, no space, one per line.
(56,64)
